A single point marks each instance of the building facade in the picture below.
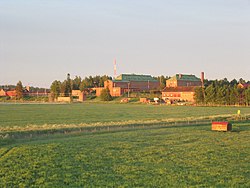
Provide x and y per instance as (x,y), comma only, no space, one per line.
(181,87)
(183,80)
(127,83)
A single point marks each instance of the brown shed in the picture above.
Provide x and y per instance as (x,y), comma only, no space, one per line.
(221,126)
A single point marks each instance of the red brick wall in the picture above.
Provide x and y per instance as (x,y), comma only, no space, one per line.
(119,88)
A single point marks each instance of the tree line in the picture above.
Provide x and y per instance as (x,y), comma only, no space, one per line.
(223,92)
(65,87)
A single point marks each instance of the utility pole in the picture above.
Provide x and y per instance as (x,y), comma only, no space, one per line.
(128,88)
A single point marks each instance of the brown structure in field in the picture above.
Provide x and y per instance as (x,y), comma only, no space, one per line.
(181,87)
(79,94)
(2,93)
(221,126)
(64,99)
(127,83)
(144,100)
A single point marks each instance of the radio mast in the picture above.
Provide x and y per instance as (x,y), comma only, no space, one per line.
(114,68)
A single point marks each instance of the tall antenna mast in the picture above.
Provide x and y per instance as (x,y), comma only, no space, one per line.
(114,68)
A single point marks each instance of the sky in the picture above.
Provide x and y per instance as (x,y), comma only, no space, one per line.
(43,40)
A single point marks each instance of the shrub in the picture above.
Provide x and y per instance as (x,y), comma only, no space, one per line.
(105,95)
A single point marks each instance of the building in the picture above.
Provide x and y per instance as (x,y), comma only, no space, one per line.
(11,93)
(127,83)
(184,80)
(243,86)
(79,95)
(178,94)
(181,87)
(2,93)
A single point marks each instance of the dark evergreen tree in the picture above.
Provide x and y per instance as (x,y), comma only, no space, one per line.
(199,95)
(247,96)
(210,95)
(76,83)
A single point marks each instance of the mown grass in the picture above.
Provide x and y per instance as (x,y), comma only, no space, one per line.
(19,115)
(164,157)
(182,156)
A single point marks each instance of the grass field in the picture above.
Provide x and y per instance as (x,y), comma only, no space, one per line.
(38,114)
(182,156)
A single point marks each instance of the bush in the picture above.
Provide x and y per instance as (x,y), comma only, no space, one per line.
(105,95)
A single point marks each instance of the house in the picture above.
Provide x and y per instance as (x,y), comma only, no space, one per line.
(2,93)
(126,83)
(11,93)
(181,87)
(243,86)
(79,95)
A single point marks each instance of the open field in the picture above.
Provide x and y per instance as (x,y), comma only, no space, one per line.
(18,115)
(173,156)
(183,156)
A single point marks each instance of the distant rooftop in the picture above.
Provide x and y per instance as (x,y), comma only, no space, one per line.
(135,77)
(185,77)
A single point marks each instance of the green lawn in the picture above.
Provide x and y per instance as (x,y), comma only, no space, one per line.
(164,157)
(38,114)
(182,156)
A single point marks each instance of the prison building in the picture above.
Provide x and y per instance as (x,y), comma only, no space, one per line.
(184,80)
(126,83)
(181,87)
(178,94)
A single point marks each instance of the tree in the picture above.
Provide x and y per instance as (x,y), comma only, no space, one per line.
(210,94)
(247,96)
(76,83)
(68,86)
(105,95)
(233,95)
(55,89)
(19,90)
(221,95)
(162,81)
(198,95)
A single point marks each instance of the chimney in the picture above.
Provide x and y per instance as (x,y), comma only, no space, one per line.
(28,88)
(202,78)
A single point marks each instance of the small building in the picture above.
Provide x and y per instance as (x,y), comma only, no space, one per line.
(64,99)
(178,94)
(126,83)
(2,93)
(11,93)
(221,126)
(79,94)
(243,86)
(144,100)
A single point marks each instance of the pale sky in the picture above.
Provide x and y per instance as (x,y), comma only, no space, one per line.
(43,40)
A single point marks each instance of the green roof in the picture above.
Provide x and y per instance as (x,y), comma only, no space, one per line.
(185,77)
(135,77)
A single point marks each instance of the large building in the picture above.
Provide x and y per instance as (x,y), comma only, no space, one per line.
(184,80)
(181,87)
(126,83)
